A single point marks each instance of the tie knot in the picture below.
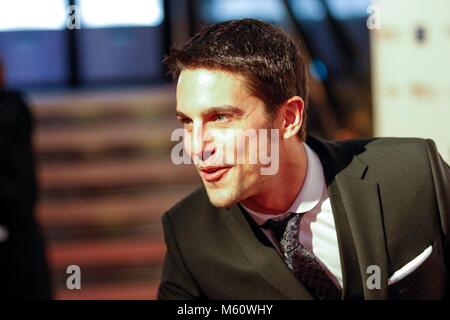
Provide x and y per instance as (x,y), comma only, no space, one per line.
(279,227)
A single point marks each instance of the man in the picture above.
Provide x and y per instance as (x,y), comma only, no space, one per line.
(363,219)
(24,271)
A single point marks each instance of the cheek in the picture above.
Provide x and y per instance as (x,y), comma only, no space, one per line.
(247,174)
(239,147)
(225,143)
(187,143)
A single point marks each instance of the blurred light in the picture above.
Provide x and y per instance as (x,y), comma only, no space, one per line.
(345,9)
(32,15)
(107,13)
(219,10)
(420,33)
(4,234)
(308,9)
(318,70)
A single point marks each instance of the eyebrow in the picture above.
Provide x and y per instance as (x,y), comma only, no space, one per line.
(221,109)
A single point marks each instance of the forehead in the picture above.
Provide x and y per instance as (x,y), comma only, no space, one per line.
(198,89)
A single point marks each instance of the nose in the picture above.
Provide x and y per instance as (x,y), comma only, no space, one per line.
(202,147)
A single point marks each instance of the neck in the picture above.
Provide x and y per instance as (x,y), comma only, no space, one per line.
(282,189)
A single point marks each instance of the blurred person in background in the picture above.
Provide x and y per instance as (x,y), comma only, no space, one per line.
(355,219)
(23,267)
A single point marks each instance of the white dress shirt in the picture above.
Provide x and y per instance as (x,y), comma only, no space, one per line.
(317,228)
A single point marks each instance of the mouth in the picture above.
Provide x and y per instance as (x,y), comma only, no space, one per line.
(213,173)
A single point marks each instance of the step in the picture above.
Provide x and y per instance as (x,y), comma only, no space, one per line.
(112,209)
(96,138)
(124,291)
(117,252)
(87,104)
(107,173)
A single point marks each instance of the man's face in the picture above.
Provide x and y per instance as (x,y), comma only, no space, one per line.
(217,102)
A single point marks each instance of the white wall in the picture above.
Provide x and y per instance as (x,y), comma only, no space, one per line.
(411,80)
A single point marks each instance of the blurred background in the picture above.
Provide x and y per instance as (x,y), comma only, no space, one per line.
(86,113)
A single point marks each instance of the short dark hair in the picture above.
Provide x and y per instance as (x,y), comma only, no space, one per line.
(267,57)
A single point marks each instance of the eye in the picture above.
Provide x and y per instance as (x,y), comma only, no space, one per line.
(220,117)
(185,121)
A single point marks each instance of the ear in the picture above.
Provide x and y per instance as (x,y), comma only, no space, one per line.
(292,116)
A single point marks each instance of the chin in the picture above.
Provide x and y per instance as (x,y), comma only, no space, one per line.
(222,198)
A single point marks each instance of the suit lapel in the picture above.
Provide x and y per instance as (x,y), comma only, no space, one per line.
(359,226)
(351,278)
(262,256)
(362,205)
(358,218)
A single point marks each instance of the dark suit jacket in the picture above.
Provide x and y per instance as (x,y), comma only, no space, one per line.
(390,199)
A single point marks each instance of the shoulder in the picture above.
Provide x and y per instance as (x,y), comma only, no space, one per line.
(388,155)
(406,160)
(192,226)
(11,96)
(13,108)
(194,201)
(395,149)
(193,211)
(387,142)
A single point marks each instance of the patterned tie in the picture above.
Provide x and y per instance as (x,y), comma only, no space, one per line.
(302,262)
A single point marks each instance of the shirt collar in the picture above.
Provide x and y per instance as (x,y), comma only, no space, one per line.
(309,195)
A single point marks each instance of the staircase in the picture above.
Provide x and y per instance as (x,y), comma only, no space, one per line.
(105,178)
